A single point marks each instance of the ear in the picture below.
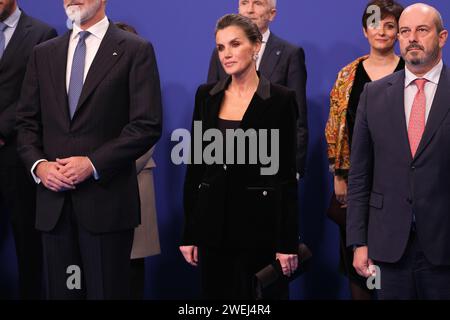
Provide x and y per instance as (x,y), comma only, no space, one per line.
(273,14)
(257,47)
(443,36)
(365,33)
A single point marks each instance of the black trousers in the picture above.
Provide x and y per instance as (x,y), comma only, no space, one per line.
(104,260)
(18,205)
(414,277)
(227,274)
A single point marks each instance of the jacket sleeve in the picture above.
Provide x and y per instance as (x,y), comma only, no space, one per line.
(28,117)
(360,177)
(194,174)
(288,231)
(296,80)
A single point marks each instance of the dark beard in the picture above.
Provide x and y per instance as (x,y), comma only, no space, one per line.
(7,11)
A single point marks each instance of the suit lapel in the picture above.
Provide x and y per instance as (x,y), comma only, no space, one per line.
(23,28)
(107,56)
(438,111)
(271,56)
(396,96)
(253,113)
(58,65)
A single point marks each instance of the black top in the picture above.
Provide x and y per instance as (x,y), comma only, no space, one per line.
(361,78)
(224,124)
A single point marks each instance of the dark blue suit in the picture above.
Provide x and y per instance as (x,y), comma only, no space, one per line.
(387,186)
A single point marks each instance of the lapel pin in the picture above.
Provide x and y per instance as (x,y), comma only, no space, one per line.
(278,52)
(115,54)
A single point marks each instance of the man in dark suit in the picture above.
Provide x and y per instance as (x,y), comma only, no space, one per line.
(19,33)
(90,106)
(280,62)
(398,208)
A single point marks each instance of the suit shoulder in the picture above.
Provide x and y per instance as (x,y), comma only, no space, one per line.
(204,89)
(133,39)
(288,45)
(281,91)
(388,80)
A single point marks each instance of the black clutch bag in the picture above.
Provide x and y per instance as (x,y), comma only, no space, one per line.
(272,276)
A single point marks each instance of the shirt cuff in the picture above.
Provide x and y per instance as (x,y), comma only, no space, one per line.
(95,173)
(35,177)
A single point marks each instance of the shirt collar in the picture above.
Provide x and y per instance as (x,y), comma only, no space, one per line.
(98,30)
(13,19)
(266,36)
(432,76)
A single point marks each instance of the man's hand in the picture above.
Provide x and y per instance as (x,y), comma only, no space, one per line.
(288,262)
(190,254)
(340,189)
(77,169)
(52,178)
(361,261)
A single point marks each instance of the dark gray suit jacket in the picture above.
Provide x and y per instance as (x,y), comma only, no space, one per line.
(283,64)
(29,32)
(387,185)
(118,118)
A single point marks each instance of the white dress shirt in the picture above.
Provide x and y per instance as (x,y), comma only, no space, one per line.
(97,33)
(431,85)
(266,36)
(11,22)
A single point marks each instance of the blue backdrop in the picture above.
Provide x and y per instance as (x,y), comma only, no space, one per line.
(182,33)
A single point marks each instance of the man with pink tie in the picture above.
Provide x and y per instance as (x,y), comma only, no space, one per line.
(399,184)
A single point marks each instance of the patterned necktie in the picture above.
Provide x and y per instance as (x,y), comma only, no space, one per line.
(416,125)
(77,74)
(2,38)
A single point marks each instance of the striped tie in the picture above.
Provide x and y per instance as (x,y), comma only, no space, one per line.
(77,74)
(416,125)
(2,38)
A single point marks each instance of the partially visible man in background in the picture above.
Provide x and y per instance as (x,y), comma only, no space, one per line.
(19,33)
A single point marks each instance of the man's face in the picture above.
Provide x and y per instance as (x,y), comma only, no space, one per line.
(80,11)
(6,8)
(420,42)
(260,12)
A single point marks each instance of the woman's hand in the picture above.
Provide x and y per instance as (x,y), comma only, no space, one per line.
(289,263)
(340,189)
(190,254)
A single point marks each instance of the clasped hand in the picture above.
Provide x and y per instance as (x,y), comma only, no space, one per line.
(64,174)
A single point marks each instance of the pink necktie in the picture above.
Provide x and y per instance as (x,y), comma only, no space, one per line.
(416,125)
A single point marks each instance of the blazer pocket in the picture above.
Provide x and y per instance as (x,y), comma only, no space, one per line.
(376,200)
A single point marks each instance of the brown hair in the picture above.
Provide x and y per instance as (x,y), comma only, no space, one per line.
(126,27)
(250,29)
(387,8)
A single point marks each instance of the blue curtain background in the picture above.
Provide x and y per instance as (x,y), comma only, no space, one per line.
(182,33)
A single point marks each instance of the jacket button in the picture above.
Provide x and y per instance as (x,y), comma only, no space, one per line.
(199,186)
(264,193)
(224,167)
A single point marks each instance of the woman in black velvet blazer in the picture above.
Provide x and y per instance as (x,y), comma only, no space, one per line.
(238,217)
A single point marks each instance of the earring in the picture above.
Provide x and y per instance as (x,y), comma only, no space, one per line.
(255,57)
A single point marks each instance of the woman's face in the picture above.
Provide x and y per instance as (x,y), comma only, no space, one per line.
(382,37)
(235,50)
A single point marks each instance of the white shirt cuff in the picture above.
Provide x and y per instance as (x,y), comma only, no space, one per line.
(95,173)
(35,177)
